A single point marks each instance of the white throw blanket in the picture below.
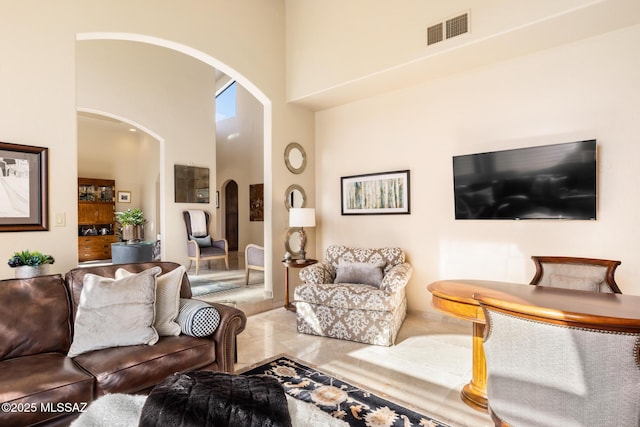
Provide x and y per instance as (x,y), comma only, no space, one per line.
(123,410)
(198,223)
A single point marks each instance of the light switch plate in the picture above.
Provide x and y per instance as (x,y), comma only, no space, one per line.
(60,219)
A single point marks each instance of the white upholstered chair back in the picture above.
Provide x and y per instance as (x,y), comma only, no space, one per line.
(544,374)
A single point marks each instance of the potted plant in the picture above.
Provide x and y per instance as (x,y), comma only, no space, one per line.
(132,225)
(30,264)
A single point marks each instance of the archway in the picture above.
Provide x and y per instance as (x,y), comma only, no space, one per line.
(250,87)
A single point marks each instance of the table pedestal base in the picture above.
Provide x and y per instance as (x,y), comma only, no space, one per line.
(474,394)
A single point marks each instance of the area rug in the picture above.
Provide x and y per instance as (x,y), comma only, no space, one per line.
(199,289)
(341,399)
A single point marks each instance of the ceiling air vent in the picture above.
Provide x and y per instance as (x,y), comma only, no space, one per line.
(453,26)
(434,34)
(458,25)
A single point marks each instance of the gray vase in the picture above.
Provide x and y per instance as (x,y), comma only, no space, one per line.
(28,271)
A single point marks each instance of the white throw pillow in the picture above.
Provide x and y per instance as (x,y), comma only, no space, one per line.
(167,300)
(115,313)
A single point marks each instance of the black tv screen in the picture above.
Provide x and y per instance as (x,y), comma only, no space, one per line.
(547,182)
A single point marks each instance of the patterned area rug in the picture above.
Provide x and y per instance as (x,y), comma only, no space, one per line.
(199,289)
(342,400)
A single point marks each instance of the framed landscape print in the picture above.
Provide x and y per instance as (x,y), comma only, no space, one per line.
(376,194)
(24,198)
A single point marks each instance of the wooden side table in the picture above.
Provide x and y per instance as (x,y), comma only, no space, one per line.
(294,263)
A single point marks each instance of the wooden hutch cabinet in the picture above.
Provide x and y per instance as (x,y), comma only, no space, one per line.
(96,211)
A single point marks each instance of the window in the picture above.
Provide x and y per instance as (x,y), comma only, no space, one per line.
(226,102)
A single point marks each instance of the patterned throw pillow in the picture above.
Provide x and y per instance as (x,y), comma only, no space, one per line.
(364,273)
(197,318)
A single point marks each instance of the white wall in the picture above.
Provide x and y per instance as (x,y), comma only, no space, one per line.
(577,91)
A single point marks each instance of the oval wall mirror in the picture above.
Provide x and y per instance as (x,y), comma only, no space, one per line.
(295,197)
(292,242)
(295,157)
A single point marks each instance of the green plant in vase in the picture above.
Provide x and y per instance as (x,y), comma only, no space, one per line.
(30,264)
(131,224)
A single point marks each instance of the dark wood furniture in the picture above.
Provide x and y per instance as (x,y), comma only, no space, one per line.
(293,263)
(96,216)
(609,267)
(459,298)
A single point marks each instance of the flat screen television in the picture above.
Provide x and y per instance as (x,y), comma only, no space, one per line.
(546,182)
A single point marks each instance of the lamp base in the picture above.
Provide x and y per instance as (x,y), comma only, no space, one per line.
(303,243)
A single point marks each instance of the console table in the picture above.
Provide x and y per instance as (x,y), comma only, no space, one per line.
(460,298)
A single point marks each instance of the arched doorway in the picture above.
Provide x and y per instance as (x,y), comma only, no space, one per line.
(170,234)
(231,214)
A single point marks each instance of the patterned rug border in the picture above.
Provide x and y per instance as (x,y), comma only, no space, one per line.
(373,391)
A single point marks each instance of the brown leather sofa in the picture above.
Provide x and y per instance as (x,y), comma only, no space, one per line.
(40,385)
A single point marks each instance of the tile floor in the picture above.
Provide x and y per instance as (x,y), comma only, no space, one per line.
(425,369)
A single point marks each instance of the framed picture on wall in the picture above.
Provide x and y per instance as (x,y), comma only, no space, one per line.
(124,196)
(191,184)
(256,202)
(24,192)
(376,194)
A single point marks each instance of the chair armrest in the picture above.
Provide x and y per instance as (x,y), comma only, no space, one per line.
(193,249)
(397,278)
(317,274)
(232,322)
(222,244)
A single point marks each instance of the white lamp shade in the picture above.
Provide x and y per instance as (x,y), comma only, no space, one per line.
(302,217)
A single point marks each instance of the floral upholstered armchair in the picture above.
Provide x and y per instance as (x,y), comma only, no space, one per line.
(355,294)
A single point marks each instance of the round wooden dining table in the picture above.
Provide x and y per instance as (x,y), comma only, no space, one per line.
(459,298)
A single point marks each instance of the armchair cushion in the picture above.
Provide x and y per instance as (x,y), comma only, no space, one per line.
(348,296)
(203,242)
(360,273)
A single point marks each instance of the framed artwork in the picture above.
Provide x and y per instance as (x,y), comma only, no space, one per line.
(191,184)
(218,199)
(376,194)
(256,202)
(24,188)
(124,196)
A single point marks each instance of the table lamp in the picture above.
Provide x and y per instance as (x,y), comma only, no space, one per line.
(302,217)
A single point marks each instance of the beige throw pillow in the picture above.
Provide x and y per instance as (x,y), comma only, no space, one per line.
(167,300)
(115,313)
